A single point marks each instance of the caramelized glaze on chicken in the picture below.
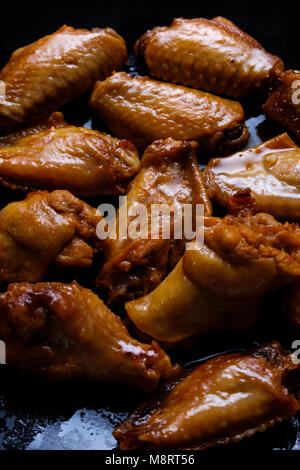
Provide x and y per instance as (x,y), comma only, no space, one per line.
(223,400)
(269,171)
(169,175)
(64,331)
(221,284)
(214,55)
(57,68)
(144,110)
(45,230)
(283,105)
(84,161)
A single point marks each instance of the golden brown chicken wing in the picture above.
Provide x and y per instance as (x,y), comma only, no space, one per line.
(45,230)
(144,110)
(283,105)
(63,331)
(169,175)
(269,172)
(221,283)
(224,400)
(214,55)
(56,69)
(54,120)
(60,156)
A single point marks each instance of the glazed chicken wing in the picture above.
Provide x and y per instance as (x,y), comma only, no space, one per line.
(225,399)
(283,105)
(63,331)
(84,161)
(268,172)
(144,110)
(214,55)
(221,284)
(57,68)
(169,175)
(45,230)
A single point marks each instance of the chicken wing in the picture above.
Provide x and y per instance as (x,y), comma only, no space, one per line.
(169,175)
(214,55)
(269,172)
(223,400)
(84,161)
(64,331)
(221,284)
(144,110)
(45,230)
(283,105)
(56,69)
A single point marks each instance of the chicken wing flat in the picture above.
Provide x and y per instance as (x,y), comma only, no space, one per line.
(214,55)
(283,105)
(57,68)
(84,161)
(64,331)
(143,110)
(224,400)
(270,173)
(221,283)
(54,120)
(171,176)
(44,230)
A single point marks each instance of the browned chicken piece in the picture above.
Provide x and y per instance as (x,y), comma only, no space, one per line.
(54,120)
(223,400)
(57,68)
(61,156)
(268,172)
(143,110)
(283,105)
(220,284)
(64,331)
(169,175)
(46,230)
(214,55)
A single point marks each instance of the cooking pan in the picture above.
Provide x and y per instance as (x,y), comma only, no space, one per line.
(82,415)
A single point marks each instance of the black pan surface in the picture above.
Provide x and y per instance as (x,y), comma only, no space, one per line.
(81,415)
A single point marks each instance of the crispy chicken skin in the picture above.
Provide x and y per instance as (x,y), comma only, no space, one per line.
(221,284)
(223,400)
(283,105)
(64,331)
(45,230)
(61,156)
(169,175)
(143,110)
(270,173)
(57,68)
(214,55)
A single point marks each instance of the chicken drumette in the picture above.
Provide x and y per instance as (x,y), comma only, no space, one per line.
(46,230)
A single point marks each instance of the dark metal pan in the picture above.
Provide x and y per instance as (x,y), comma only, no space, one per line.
(38,415)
